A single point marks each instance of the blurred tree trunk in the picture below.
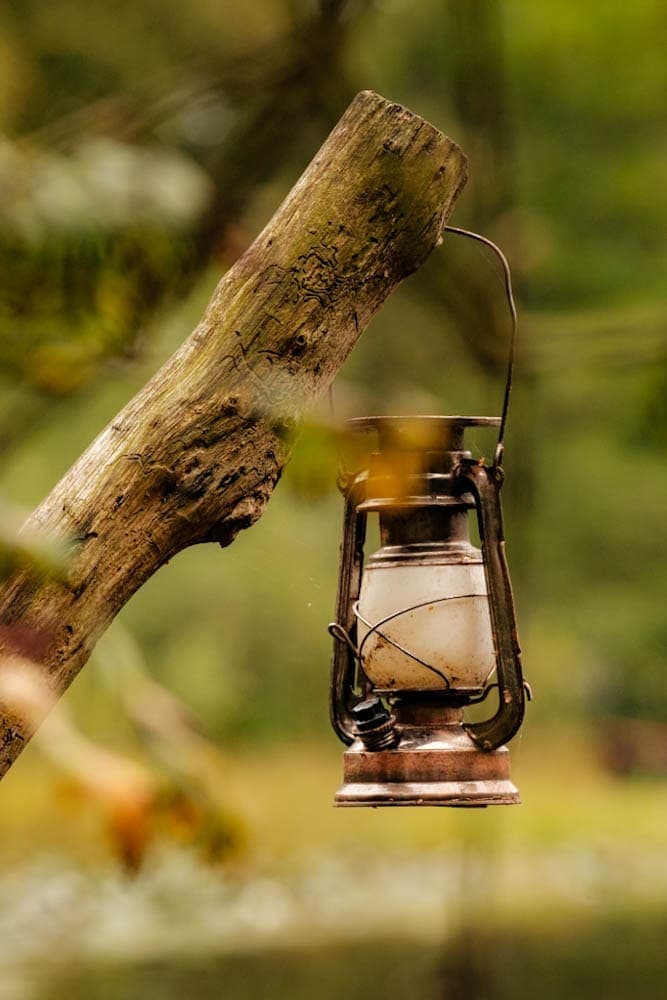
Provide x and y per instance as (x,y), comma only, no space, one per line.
(475,80)
(194,457)
(303,86)
(478,81)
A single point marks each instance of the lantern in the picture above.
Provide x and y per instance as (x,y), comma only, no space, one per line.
(425,626)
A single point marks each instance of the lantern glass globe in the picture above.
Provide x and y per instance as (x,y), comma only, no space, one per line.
(438,613)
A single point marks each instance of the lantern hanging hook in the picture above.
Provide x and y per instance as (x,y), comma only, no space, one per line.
(507,275)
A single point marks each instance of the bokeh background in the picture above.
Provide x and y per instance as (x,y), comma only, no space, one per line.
(170,832)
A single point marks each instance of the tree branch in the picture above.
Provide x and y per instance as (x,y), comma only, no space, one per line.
(196,454)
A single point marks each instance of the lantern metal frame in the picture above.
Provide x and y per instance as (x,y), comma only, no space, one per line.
(454,772)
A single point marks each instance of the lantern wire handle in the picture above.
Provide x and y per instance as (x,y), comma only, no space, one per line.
(507,274)
(343,474)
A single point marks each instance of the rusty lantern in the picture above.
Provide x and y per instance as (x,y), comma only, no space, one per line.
(425,627)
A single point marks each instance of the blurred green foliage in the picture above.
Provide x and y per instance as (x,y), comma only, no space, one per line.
(143,144)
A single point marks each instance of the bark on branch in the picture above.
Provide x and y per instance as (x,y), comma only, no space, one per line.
(195,455)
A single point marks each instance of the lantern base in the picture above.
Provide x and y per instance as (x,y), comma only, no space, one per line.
(434,764)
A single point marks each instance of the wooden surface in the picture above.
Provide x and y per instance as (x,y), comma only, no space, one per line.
(195,456)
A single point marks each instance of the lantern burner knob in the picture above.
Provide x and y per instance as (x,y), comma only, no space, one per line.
(376,726)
